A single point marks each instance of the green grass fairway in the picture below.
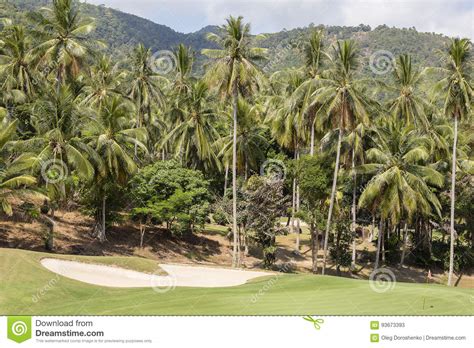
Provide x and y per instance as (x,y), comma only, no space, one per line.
(28,288)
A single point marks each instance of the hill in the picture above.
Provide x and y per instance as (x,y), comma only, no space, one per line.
(122,31)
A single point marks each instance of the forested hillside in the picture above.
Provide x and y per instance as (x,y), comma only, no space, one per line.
(122,31)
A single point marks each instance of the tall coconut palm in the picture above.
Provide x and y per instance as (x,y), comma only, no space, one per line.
(410,104)
(182,85)
(315,56)
(16,70)
(15,183)
(58,143)
(104,81)
(63,36)
(355,140)
(234,73)
(251,143)
(345,104)
(110,135)
(458,104)
(145,84)
(403,178)
(183,81)
(194,136)
(287,109)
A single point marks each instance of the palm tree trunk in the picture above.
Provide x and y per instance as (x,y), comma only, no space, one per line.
(234,178)
(354,210)
(453,197)
(239,244)
(246,168)
(405,240)
(293,203)
(315,247)
(142,234)
(311,149)
(379,242)
(102,233)
(226,178)
(383,243)
(333,196)
(298,225)
(372,229)
(293,207)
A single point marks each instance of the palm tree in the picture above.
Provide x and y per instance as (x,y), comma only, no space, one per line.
(403,179)
(315,56)
(410,104)
(16,71)
(109,134)
(355,139)
(251,143)
(234,73)
(286,117)
(104,81)
(194,135)
(145,84)
(192,117)
(345,105)
(57,123)
(14,183)
(184,57)
(63,37)
(458,102)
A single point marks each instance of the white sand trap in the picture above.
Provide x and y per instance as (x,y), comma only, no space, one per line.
(178,275)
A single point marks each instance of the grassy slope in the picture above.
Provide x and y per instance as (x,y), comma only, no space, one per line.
(22,277)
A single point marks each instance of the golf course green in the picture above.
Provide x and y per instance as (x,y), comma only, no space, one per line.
(27,288)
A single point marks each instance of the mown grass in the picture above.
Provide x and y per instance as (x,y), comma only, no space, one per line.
(26,287)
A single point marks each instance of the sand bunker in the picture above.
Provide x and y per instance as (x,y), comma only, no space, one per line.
(178,275)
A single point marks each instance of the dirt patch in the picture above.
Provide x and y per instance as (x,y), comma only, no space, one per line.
(73,236)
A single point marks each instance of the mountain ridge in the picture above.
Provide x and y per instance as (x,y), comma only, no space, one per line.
(122,31)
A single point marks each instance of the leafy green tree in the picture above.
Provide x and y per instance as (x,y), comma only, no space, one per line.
(315,184)
(266,204)
(165,192)
(340,251)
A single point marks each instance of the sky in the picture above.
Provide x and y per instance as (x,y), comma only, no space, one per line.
(449,17)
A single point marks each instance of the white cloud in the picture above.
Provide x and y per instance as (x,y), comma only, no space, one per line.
(454,18)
